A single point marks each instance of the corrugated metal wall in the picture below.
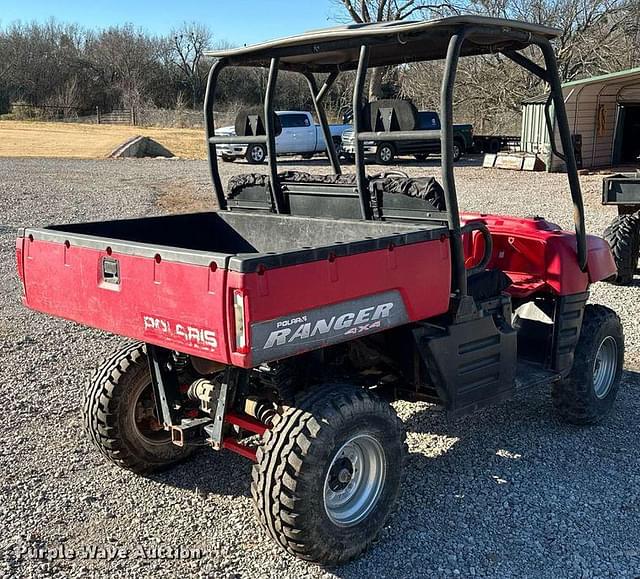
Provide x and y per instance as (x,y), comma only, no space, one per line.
(534,137)
(592,110)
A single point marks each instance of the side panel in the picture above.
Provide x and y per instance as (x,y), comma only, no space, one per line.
(285,141)
(175,305)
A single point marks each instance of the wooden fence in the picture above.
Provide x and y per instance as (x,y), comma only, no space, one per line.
(116,117)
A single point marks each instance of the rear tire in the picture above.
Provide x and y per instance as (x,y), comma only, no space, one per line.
(587,394)
(385,154)
(119,414)
(256,154)
(310,494)
(494,146)
(623,236)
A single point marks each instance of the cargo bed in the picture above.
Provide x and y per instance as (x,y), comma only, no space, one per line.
(181,281)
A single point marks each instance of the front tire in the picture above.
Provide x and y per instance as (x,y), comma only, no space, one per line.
(458,150)
(385,154)
(337,143)
(328,473)
(119,414)
(256,154)
(587,394)
(623,236)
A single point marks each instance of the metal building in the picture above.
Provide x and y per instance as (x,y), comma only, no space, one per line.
(604,116)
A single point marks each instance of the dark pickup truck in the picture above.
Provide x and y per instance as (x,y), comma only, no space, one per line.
(386,152)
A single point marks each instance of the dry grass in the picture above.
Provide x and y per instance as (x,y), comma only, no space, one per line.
(81,141)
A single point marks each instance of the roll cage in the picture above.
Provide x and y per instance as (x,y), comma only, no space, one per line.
(360,47)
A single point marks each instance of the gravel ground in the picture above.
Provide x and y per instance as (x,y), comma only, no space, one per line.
(509,491)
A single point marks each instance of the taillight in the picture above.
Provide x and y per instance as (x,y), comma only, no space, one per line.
(20,262)
(240,319)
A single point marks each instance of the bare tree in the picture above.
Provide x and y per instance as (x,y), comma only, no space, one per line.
(367,11)
(596,36)
(591,31)
(188,44)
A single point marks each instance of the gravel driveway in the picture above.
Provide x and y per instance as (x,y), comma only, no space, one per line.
(509,491)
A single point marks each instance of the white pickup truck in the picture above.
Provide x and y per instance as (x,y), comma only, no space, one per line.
(299,136)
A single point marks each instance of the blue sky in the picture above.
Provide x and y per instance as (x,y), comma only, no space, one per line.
(237,21)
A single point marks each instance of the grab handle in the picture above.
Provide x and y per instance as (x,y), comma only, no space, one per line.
(488,244)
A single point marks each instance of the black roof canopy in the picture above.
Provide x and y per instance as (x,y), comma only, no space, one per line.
(397,42)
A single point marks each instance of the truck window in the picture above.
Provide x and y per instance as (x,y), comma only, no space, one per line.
(428,121)
(289,121)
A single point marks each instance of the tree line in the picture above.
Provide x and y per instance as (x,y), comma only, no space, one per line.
(72,70)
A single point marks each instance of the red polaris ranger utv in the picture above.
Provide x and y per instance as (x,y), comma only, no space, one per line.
(283,325)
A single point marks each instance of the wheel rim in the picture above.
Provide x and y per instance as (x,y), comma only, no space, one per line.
(145,421)
(456,151)
(385,154)
(605,366)
(354,480)
(257,154)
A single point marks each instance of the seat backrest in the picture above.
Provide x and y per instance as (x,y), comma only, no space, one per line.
(401,198)
(389,115)
(311,195)
(249,192)
(304,194)
(250,123)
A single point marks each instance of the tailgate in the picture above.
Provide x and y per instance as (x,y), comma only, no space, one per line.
(160,295)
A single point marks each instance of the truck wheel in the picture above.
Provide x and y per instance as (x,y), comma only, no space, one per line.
(337,143)
(623,236)
(587,395)
(458,150)
(385,154)
(227,159)
(119,414)
(494,146)
(256,154)
(328,473)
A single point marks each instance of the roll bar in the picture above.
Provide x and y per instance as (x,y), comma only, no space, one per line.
(549,74)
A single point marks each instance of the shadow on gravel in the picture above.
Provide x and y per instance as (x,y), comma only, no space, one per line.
(208,471)
(528,409)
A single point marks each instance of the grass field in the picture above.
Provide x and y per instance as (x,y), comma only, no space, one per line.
(82,141)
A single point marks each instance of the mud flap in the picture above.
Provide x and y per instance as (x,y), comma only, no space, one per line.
(566,330)
(472,364)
